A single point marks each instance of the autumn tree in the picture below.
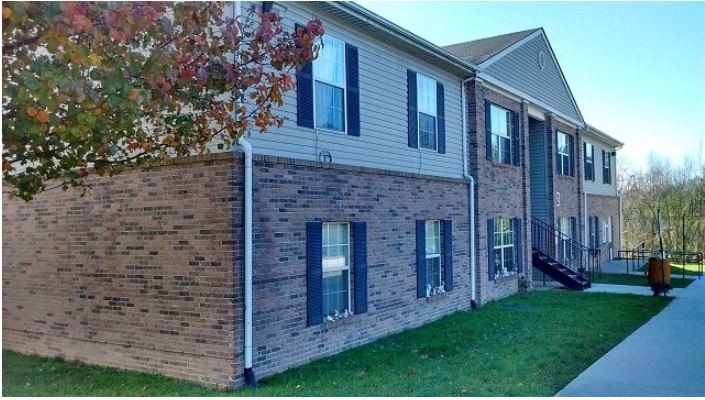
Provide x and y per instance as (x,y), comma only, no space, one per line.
(98,87)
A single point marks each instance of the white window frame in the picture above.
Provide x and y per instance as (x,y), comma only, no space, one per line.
(419,78)
(430,223)
(344,87)
(591,147)
(607,167)
(495,132)
(565,168)
(338,268)
(502,245)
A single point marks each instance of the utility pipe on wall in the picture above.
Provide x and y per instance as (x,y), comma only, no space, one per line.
(471,193)
(246,148)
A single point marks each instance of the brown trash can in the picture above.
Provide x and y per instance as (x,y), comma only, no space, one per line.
(659,278)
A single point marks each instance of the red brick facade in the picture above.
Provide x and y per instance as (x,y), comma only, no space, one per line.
(135,274)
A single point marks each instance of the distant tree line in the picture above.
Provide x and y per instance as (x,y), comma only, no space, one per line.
(678,191)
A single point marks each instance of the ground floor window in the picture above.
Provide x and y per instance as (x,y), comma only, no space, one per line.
(434,272)
(504,257)
(336,268)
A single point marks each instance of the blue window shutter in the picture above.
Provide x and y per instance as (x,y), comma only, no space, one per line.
(420,258)
(518,243)
(604,170)
(353,90)
(516,138)
(490,248)
(304,93)
(267,6)
(314,273)
(360,268)
(441,116)
(488,131)
(413,109)
(597,232)
(447,226)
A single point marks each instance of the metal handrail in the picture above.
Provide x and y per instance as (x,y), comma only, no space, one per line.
(549,240)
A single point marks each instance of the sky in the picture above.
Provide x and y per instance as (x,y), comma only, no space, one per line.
(636,69)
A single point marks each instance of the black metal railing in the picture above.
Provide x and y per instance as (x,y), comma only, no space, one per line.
(549,240)
(639,255)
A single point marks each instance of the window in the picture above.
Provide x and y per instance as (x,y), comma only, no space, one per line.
(500,127)
(336,268)
(434,274)
(566,229)
(329,90)
(606,234)
(606,167)
(564,159)
(504,247)
(426,97)
(589,162)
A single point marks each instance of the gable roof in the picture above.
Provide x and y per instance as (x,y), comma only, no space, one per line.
(523,63)
(480,50)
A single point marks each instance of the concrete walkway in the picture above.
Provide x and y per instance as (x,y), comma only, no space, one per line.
(626,289)
(665,357)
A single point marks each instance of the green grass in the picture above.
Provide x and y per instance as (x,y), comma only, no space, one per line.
(637,280)
(524,345)
(677,269)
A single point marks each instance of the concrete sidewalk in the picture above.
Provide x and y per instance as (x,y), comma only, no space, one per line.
(665,357)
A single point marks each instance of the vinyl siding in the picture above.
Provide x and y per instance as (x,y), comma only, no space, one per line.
(538,173)
(597,187)
(383,111)
(521,70)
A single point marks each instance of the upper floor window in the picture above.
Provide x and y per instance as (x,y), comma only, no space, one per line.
(606,167)
(329,86)
(426,95)
(589,161)
(336,268)
(564,153)
(500,134)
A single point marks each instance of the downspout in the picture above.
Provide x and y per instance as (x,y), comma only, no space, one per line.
(471,194)
(246,148)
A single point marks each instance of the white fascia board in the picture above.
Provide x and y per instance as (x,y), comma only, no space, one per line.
(516,92)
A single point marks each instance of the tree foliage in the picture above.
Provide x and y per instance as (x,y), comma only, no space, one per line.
(104,86)
(677,191)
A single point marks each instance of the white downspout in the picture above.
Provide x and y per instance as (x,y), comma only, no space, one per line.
(246,148)
(471,194)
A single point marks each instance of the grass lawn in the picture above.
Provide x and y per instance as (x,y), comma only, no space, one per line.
(524,345)
(637,280)
(677,269)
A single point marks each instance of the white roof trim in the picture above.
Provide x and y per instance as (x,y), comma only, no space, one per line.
(530,99)
(520,43)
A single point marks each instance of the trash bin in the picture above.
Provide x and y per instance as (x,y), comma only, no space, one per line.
(659,275)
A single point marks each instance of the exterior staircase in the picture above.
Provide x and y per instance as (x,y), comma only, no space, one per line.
(559,272)
(559,256)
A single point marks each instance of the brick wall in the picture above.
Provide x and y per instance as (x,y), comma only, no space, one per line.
(135,274)
(287,194)
(138,274)
(603,207)
(501,190)
(568,188)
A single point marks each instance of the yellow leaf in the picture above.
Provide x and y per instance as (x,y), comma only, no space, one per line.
(94,59)
(6,12)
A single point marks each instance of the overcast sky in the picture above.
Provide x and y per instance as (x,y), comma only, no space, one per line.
(637,70)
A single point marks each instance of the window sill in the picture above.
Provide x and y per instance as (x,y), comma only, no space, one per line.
(436,297)
(330,131)
(337,323)
(565,177)
(506,278)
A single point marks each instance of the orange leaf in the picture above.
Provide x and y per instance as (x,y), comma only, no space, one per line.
(134,94)
(6,12)
(42,116)
(75,58)
(31,111)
